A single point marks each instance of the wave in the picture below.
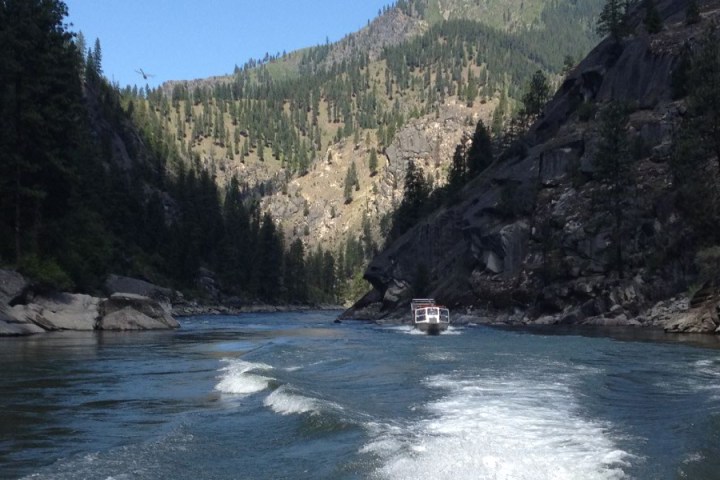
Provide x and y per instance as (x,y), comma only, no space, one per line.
(238,378)
(284,402)
(498,429)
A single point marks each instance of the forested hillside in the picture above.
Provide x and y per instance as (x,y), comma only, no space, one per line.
(286,125)
(277,182)
(84,194)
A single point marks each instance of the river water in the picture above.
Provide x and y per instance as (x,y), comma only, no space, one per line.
(293,396)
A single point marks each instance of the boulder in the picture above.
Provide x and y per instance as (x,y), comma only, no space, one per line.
(9,326)
(59,311)
(128,318)
(696,320)
(12,285)
(120,284)
(128,311)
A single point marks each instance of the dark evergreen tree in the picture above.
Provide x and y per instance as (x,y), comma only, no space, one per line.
(42,126)
(269,260)
(613,162)
(414,202)
(373,162)
(537,94)
(613,19)
(351,180)
(295,277)
(480,153)
(653,21)
(458,170)
(97,58)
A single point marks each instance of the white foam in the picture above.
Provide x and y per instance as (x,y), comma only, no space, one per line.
(452,331)
(406,329)
(237,378)
(707,376)
(411,330)
(439,356)
(284,402)
(499,429)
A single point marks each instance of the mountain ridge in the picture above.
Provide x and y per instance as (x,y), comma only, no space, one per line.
(403,92)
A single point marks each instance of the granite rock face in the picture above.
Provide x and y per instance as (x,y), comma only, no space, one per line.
(127,311)
(39,313)
(61,311)
(120,284)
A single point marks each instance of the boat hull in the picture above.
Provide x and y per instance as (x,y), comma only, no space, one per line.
(432,328)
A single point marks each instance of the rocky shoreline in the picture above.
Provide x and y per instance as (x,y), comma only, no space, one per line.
(133,304)
(194,308)
(130,304)
(680,314)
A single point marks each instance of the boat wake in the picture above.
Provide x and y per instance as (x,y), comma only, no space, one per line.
(240,378)
(410,330)
(498,429)
(285,402)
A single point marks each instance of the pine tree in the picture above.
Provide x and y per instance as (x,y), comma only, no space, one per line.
(458,172)
(41,128)
(613,19)
(480,153)
(351,180)
(97,58)
(269,260)
(413,204)
(295,275)
(612,160)
(373,162)
(537,94)
(653,21)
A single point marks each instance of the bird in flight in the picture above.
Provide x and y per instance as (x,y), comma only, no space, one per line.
(144,75)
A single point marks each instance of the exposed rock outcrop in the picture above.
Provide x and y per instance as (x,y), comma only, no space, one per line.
(60,311)
(120,284)
(25,313)
(127,311)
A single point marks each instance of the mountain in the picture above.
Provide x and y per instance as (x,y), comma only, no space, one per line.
(276,183)
(606,206)
(409,86)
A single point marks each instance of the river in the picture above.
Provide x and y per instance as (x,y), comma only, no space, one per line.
(294,396)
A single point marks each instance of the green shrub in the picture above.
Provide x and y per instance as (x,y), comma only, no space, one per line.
(45,272)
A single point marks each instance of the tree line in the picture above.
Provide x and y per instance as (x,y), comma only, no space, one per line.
(72,211)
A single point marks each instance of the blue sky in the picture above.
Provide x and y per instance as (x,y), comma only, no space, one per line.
(187,39)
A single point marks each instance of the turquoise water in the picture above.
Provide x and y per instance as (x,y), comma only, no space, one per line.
(288,396)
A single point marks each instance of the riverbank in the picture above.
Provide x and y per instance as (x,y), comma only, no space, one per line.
(192,309)
(699,313)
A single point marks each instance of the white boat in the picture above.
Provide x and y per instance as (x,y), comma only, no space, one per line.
(428,316)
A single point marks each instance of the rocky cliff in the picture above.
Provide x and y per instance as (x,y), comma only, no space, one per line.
(530,240)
